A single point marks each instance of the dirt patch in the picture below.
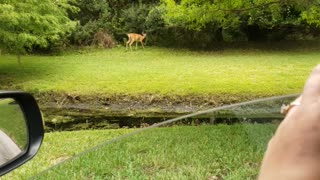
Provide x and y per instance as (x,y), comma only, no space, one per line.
(63,111)
(143,103)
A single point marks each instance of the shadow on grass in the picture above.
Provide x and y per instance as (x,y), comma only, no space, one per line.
(289,46)
(13,75)
(273,46)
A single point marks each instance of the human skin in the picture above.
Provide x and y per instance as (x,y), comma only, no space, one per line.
(294,150)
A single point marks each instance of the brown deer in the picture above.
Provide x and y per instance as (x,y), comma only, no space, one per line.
(133,37)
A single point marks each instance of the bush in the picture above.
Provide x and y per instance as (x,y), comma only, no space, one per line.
(134,18)
(83,35)
(103,39)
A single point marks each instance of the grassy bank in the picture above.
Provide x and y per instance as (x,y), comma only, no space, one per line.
(194,152)
(161,71)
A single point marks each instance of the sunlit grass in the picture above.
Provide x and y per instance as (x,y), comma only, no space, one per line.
(161,71)
(198,152)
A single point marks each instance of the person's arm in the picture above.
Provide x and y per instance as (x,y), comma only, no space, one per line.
(294,150)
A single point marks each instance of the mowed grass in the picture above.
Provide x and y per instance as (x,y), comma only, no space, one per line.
(161,71)
(229,152)
(59,146)
(181,152)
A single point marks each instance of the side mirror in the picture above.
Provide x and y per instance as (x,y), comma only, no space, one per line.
(21,129)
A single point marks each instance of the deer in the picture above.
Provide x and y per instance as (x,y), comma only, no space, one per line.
(134,37)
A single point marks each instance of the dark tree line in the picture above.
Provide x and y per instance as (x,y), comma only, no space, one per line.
(170,23)
(186,23)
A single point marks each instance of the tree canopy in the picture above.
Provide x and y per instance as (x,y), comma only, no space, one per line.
(233,13)
(28,23)
(35,24)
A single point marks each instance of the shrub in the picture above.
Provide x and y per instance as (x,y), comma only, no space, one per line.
(103,39)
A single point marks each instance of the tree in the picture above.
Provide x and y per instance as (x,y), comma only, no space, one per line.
(233,15)
(114,17)
(28,23)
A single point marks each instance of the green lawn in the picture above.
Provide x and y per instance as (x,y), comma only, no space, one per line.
(231,152)
(59,146)
(161,71)
(180,152)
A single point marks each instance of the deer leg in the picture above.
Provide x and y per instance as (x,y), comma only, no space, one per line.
(142,44)
(136,45)
(131,45)
(127,43)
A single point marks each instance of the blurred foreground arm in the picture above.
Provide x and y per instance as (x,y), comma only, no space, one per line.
(294,151)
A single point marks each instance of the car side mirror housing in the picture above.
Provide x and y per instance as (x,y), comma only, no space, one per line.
(21,129)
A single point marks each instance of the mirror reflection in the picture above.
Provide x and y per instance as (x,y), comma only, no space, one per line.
(13,131)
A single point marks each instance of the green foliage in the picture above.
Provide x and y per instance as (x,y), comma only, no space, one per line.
(28,23)
(134,18)
(234,17)
(115,17)
(91,12)
(154,18)
(198,24)
(312,16)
